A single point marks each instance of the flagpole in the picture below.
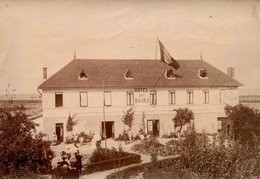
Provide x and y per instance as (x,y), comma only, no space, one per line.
(156,48)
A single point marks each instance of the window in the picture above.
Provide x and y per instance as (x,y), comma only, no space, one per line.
(149,125)
(171,97)
(58,99)
(203,74)
(153,97)
(222,96)
(190,97)
(82,75)
(219,125)
(129,75)
(130,98)
(206,96)
(83,99)
(108,100)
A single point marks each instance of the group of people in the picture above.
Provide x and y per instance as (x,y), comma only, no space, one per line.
(70,166)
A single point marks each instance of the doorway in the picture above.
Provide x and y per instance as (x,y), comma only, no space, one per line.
(59,132)
(110,129)
(153,127)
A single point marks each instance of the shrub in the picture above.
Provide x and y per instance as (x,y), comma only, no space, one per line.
(152,146)
(208,160)
(171,135)
(21,154)
(69,140)
(102,154)
(120,137)
(85,136)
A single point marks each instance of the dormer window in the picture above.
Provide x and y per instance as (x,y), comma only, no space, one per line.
(82,75)
(169,74)
(203,74)
(129,75)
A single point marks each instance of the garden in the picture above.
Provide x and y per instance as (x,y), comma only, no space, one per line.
(202,157)
(189,155)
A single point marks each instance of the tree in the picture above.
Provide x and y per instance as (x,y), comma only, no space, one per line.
(245,122)
(70,123)
(143,123)
(128,118)
(20,153)
(183,116)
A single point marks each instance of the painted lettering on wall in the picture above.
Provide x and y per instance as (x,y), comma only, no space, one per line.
(141,96)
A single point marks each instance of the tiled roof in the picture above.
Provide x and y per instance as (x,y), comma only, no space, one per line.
(147,73)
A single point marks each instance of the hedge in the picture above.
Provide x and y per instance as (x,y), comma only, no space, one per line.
(111,164)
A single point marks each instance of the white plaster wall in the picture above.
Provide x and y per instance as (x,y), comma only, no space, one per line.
(214,96)
(232,97)
(162,97)
(95,98)
(90,117)
(181,97)
(119,97)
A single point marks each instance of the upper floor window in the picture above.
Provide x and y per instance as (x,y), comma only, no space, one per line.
(172,97)
(203,74)
(130,98)
(129,75)
(108,98)
(206,96)
(83,99)
(153,97)
(58,99)
(190,97)
(222,96)
(82,75)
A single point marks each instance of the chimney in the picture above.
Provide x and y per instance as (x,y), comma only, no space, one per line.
(44,73)
(230,72)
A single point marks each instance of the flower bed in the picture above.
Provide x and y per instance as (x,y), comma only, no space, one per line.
(151,146)
(105,159)
(112,163)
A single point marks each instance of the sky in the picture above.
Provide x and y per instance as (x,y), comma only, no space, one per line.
(44,33)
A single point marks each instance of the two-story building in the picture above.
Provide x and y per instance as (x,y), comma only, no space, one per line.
(101,90)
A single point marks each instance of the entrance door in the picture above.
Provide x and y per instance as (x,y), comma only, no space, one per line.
(59,132)
(110,129)
(153,127)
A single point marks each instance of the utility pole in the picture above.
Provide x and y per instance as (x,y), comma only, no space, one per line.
(104,118)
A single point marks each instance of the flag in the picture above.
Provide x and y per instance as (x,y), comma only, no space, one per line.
(166,57)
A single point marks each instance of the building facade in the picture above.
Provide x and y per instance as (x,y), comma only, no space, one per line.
(99,91)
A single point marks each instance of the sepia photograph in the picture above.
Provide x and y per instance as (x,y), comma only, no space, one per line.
(129,89)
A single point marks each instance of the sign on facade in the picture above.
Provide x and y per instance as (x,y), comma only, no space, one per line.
(141,96)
